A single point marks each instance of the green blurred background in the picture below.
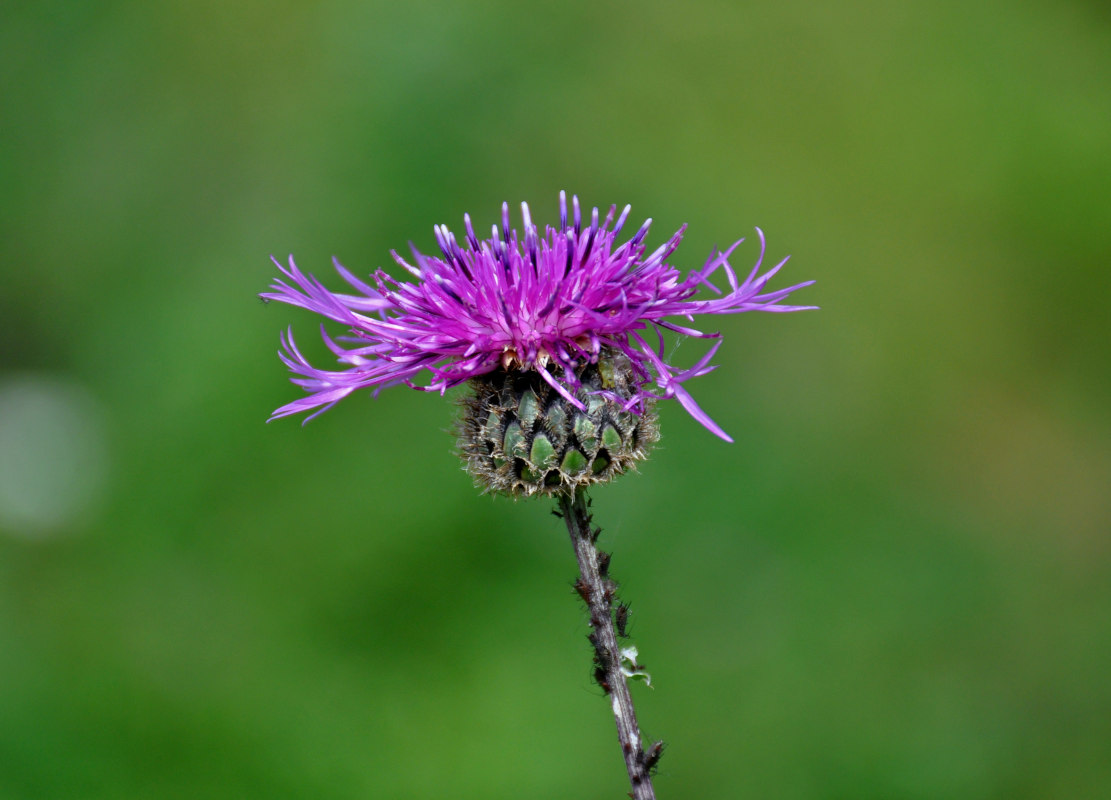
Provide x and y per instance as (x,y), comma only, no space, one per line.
(896,584)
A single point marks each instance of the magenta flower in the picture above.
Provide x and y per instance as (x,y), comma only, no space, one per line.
(548,303)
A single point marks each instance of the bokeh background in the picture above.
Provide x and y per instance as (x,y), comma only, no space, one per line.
(896,584)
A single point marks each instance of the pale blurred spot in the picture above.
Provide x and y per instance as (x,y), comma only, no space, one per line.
(53,455)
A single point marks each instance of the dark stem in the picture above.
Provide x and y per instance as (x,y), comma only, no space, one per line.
(597,590)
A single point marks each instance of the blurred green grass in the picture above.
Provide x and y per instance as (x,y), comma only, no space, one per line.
(894,585)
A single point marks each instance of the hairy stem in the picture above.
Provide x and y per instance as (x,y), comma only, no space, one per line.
(597,590)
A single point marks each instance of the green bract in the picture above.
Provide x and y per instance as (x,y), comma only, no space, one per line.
(520,437)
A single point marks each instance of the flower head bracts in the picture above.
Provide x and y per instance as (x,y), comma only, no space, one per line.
(545,302)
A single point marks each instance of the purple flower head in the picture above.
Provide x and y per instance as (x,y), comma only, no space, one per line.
(547,302)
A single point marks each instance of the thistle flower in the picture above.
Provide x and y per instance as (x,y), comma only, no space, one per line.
(561,337)
(570,312)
